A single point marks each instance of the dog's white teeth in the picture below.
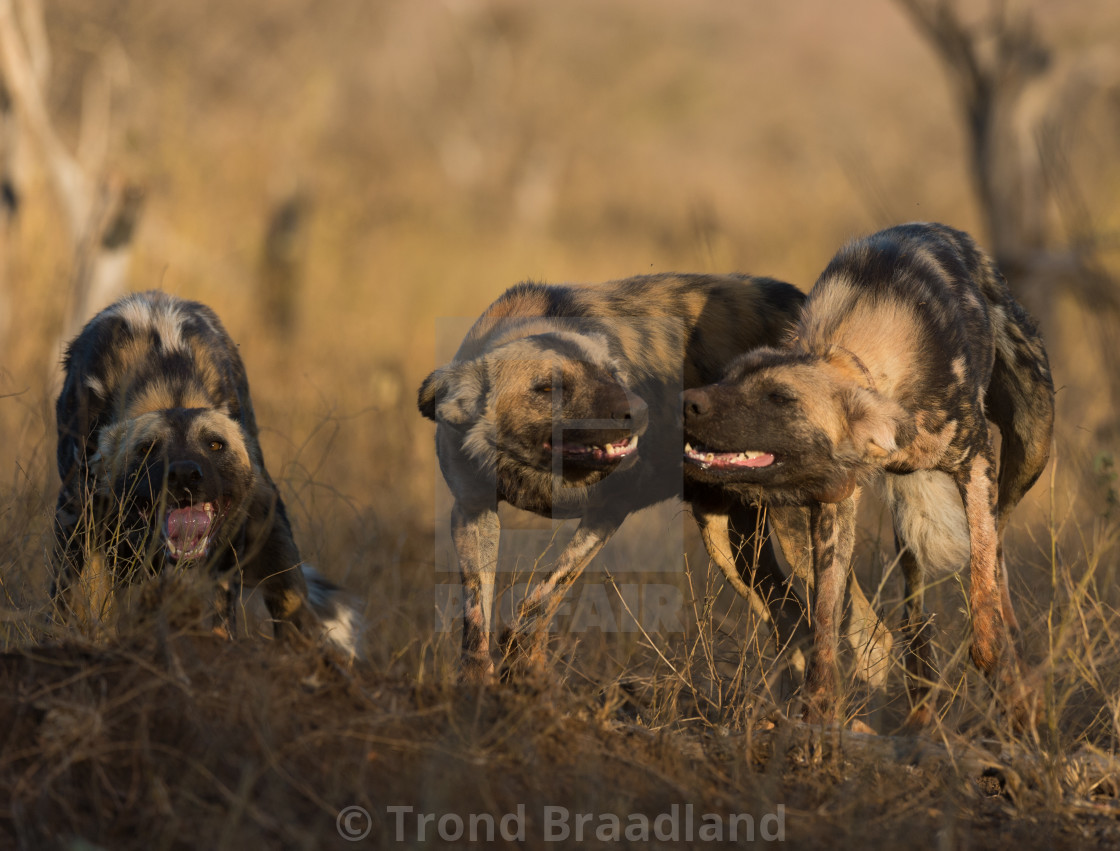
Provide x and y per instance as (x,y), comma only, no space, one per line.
(615,449)
(688,448)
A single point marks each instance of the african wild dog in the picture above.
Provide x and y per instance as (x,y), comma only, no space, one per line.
(909,343)
(564,401)
(162,471)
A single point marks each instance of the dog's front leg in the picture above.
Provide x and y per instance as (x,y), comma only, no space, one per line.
(525,643)
(752,569)
(867,635)
(832,528)
(475,532)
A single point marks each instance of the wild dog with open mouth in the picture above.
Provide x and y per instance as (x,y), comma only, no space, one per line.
(564,401)
(909,343)
(162,469)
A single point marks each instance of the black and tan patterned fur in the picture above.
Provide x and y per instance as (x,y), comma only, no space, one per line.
(909,346)
(551,375)
(162,471)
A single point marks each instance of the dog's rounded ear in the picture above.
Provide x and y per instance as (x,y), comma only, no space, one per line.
(877,426)
(453,394)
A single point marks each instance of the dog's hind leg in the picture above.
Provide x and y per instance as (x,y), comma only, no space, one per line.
(475,533)
(991,650)
(932,537)
(920,672)
(524,644)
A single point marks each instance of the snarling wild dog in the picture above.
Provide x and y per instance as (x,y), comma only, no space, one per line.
(564,401)
(162,471)
(908,344)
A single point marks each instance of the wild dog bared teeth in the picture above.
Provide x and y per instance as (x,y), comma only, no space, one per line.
(709,458)
(615,450)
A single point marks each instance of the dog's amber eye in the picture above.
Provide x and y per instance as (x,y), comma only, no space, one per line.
(543,387)
(216,446)
(781,399)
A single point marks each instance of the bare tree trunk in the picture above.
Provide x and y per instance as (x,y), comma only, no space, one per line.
(1019,164)
(100,211)
(9,202)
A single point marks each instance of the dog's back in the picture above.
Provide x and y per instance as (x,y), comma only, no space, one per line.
(668,327)
(648,337)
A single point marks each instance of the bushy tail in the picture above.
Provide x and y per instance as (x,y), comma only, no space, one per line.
(342,624)
(1020,401)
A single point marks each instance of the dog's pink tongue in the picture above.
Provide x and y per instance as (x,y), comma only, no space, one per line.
(187,529)
(763,460)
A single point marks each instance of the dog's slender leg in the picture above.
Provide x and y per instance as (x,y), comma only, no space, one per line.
(991,649)
(475,532)
(832,527)
(525,643)
(285,596)
(867,635)
(292,620)
(977,486)
(229,600)
(919,649)
(751,568)
(1020,401)
(715,530)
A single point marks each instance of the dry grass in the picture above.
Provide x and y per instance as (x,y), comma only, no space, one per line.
(445,152)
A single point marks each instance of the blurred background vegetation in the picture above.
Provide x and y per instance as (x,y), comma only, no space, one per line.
(335,177)
(347,183)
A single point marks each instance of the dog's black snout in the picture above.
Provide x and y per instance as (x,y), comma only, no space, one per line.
(183,475)
(697,404)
